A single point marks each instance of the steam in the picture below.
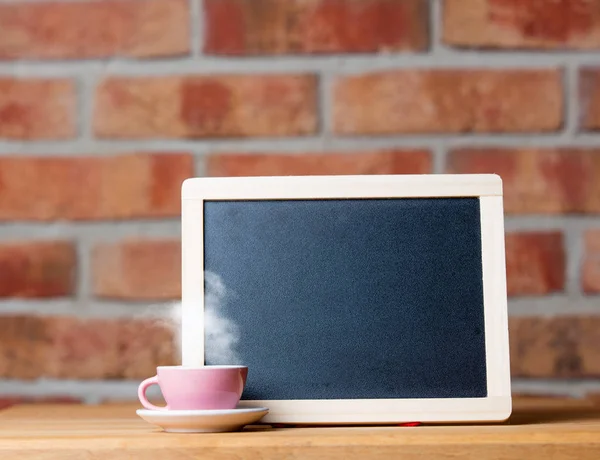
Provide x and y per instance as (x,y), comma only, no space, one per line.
(221,335)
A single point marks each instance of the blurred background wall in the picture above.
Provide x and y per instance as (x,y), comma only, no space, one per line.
(106,106)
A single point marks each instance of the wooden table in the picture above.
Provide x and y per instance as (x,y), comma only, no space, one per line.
(539,429)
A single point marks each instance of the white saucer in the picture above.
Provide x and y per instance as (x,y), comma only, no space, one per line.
(203,421)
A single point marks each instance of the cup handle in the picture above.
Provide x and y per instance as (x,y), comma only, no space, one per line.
(142,394)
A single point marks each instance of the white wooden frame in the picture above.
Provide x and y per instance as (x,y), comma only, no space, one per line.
(496,406)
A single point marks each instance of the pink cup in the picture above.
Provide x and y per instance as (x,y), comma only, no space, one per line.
(196,388)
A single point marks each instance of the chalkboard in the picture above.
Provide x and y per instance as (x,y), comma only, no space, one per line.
(352,298)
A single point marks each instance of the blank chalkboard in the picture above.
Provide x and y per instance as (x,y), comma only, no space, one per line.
(352,298)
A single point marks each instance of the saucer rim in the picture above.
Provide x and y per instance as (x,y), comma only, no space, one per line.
(201,412)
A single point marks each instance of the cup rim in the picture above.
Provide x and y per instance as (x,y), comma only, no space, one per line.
(207,366)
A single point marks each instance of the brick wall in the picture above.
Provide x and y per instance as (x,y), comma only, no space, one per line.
(107,105)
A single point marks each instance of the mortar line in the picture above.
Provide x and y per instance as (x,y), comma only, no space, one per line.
(91,391)
(325,107)
(553,305)
(575,388)
(200,153)
(439,155)
(350,143)
(435,25)
(80,109)
(341,63)
(91,308)
(200,165)
(550,306)
(91,232)
(84,274)
(571,92)
(196,28)
(95,391)
(549,222)
(86,94)
(114,231)
(573,246)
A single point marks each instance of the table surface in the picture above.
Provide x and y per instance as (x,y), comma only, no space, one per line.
(558,429)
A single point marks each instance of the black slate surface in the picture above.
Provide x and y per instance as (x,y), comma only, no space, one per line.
(336,299)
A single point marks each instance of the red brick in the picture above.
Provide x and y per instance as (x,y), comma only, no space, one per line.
(298,164)
(590,270)
(453,101)
(107,349)
(535,263)
(572,24)
(267,27)
(37,269)
(100,28)
(555,347)
(206,106)
(91,188)
(544,181)
(65,347)
(589,99)
(37,109)
(137,269)
(24,346)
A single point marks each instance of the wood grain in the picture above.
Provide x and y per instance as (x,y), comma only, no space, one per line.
(558,429)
